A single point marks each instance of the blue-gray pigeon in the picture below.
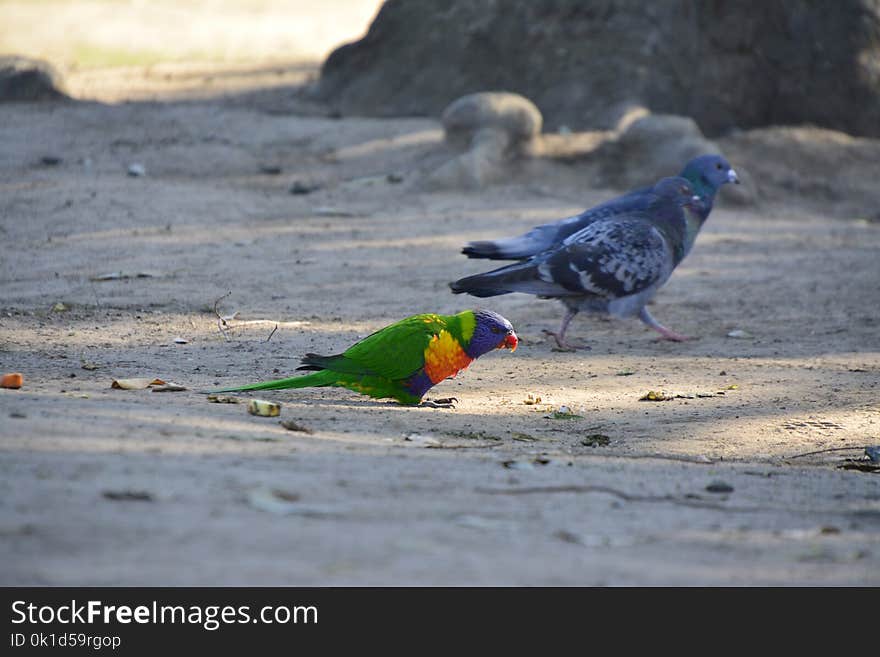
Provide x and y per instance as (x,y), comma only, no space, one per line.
(614,265)
(706,173)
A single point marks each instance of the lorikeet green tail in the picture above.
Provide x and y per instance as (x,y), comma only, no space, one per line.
(406,359)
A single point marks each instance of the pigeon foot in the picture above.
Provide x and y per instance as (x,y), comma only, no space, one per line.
(563,345)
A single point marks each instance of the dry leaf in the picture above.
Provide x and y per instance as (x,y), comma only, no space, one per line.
(136,384)
(656,395)
(264,408)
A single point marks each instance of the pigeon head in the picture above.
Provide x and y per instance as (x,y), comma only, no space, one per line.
(707,174)
(674,193)
(492,331)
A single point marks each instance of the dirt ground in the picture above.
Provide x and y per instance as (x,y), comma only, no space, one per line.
(109,487)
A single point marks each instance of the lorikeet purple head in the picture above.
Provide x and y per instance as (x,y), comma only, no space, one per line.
(492,331)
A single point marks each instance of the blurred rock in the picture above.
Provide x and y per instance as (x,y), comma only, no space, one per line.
(23,79)
(647,147)
(651,147)
(516,119)
(484,163)
(726,64)
(828,170)
(493,128)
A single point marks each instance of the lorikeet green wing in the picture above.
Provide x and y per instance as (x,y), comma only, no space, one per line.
(394,352)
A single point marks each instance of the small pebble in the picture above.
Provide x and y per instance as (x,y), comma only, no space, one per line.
(719,487)
(136,170)
(290,425)
(300,187)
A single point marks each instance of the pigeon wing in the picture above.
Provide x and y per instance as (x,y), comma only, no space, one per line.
(609,259)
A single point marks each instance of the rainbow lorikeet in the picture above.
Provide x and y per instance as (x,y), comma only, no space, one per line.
(406,359)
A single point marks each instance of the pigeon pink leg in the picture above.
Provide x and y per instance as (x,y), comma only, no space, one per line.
(667,334)
(559,336)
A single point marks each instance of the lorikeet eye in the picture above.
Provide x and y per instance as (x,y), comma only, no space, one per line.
(496,330)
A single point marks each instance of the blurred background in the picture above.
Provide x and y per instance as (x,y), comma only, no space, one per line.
(204,190)
(85,38)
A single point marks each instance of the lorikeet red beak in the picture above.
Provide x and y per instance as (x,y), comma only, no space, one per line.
(510,340)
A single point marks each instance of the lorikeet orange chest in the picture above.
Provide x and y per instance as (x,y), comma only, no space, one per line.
(445,357)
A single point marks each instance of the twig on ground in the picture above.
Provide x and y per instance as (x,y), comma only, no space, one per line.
(220,321)
(822,451)
(95,292)
(272,333)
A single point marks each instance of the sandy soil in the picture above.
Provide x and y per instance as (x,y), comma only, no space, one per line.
(103,486)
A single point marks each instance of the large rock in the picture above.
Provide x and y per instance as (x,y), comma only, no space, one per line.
(585,64)
(23,79)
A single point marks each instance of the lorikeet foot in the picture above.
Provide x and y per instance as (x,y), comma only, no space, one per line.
(446,402)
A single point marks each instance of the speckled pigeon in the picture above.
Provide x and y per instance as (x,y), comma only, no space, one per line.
(706,173)
(614,265)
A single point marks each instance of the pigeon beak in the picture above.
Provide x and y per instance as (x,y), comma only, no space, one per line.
(732,177)
(510,340)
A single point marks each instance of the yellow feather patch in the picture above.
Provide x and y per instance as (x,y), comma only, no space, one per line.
(444,357)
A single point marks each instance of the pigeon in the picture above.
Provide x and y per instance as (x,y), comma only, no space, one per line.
(706,173)
(614,265)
